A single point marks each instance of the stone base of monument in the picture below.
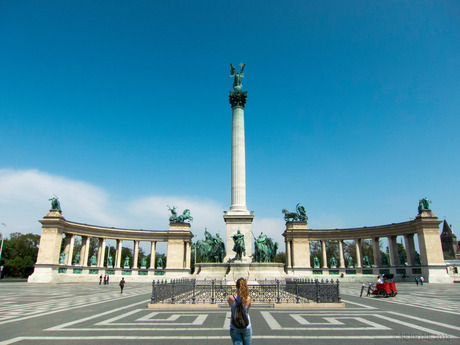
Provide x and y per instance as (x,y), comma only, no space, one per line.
(256,271)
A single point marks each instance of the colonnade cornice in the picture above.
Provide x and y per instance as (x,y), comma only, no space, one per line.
(394,229)
(81,229)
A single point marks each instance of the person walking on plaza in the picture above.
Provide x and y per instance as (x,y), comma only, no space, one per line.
(122,284)
(105,279)
(240,304)
(100,280)
(421,280)
(416,280)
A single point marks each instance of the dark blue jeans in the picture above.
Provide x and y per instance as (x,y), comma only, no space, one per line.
(241,336)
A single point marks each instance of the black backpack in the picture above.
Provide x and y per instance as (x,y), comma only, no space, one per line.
(240,318)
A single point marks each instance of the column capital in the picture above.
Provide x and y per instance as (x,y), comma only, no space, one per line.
(238,98)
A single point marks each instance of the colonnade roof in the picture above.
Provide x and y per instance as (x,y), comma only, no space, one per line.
(394,229)
(81,229)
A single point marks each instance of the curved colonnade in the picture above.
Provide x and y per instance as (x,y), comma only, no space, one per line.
(426,226)
(54,226)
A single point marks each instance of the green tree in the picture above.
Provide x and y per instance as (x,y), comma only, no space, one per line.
(280,257)
(19,255)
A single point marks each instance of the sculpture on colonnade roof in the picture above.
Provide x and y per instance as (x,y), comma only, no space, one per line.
(424,205)
(300,214)
(55,205)
(174,218)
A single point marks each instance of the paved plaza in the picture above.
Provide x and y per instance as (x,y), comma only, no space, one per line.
(94,314)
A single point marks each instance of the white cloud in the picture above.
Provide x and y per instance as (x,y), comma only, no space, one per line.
(24,200)
(272,227)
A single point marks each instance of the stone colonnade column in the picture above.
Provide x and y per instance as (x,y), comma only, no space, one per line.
(136,254)
(118,254)
(68,250)
(101,252)
(323,250)
(341,258)
(288,254)
(358,253)
(393,246)
(188,256)
(376,252)
(83,258)
(152,254)
(410,249)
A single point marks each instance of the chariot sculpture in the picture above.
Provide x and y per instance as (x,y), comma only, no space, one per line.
(179,218)
(300,214)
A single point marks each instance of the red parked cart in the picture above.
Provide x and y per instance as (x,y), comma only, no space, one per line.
(387,289)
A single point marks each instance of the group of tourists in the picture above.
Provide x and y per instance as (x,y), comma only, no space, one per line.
(105,279)
(420,280)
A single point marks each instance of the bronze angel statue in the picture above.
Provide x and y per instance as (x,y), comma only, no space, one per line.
(237,86)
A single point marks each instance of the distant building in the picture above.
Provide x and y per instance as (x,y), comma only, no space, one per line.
(450,246)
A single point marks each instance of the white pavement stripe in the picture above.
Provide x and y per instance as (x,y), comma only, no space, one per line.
(441,324)
(358,304)
(59,327)
(228,317)
(270,320)
(410,325)
(118,317)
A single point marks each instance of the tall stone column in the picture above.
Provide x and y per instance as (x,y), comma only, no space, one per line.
(393,251)
(376,251)
(410,249)
(323,250)
(118,254)
(101,252)
(288,254)
(238,218)
(188,257)
(136,254)
(341,258)
(70,252)
(358,253)
(152,254)
(84,245)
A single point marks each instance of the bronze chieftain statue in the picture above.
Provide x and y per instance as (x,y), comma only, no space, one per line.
(212,249)
(238,246)
(265,249)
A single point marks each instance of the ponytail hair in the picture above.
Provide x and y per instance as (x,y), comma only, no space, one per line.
(243,291)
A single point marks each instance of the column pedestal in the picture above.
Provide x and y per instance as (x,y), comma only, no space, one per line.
(242,222)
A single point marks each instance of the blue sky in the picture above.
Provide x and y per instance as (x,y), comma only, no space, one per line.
(121,108)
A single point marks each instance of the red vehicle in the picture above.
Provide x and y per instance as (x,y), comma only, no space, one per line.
(387,289)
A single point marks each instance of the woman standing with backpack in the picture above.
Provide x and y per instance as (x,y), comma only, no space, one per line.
(240,327)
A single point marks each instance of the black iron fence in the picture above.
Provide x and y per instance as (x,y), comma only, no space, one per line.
(211,291)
